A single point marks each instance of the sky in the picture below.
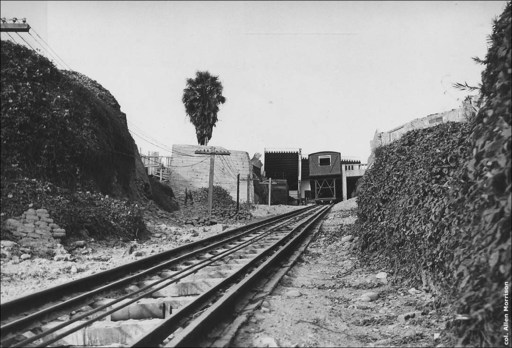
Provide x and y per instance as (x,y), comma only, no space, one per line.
(319,76)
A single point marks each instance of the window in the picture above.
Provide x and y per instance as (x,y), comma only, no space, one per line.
(324,160)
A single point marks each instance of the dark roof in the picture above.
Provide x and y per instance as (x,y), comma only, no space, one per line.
(282,165)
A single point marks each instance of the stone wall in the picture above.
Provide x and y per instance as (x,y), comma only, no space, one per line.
(36,234)
(191,171)
(35,225)
(462,114)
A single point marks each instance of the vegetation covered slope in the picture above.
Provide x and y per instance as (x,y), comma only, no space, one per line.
(436,204)
(55,128)
(66,148)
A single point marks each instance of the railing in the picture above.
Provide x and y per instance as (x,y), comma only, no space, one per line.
(155,166)
(355,166)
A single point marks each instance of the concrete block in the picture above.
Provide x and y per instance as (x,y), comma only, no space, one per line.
(42,232)
(19,234)
(187,288)
(142,309)
(208,274)
(12,224)
(33,235)
(31,219)
(103,333)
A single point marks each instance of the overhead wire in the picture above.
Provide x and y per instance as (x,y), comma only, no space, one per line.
(140,134)
(228,166)
(25,41)
(14,40)
(146,140)
(62,60)
(48,53)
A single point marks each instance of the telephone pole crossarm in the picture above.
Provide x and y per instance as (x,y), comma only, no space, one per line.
(211,152)
(14,27)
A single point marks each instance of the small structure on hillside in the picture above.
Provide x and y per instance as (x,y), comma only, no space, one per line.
(156,165)
(189,170)
(333,178)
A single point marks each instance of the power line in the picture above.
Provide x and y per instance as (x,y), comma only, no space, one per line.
(142,133)
(142,138)
(48,53)
(228,167)
(62,60)
(195,164)
(12,38)
(25,42)
(156,143)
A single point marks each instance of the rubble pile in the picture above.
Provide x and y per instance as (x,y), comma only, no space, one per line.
(35,224)
(194,208)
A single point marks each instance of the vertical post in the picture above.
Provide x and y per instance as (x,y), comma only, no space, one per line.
(299,195)
(237,192)
(210,186)
(269,190)
(248,190)
(344,181)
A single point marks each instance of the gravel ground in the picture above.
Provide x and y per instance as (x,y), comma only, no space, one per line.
(326,300)
(20,277)
(329,300)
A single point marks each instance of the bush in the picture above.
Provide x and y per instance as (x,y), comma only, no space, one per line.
(57,130)
(162,195)
(437,202)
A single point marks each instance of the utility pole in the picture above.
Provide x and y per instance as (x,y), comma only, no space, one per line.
(248,190)
(237,192)
(211,151)
(269,190)
(300,177)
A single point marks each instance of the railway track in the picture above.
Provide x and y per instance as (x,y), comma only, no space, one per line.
(167,299)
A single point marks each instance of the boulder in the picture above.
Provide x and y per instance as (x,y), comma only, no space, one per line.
(372,296)
(347,238)
(265,341)
(8,244)
(292,293)
(381,275)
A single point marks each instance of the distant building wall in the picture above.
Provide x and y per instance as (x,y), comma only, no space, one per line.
(191,171)
(467,109)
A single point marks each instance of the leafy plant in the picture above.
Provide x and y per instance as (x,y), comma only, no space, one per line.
(437,202)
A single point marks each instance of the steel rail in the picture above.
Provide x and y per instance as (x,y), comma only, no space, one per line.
(22,303)
(171,279)
(162,331)
(189,335)
(15,325)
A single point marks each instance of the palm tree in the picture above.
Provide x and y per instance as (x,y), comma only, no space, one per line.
(202,98)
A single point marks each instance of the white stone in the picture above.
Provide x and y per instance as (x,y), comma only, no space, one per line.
(265,341)
(347,238)
(413,291)
(292,293)
(381,275)
(371,295)
(7,244)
